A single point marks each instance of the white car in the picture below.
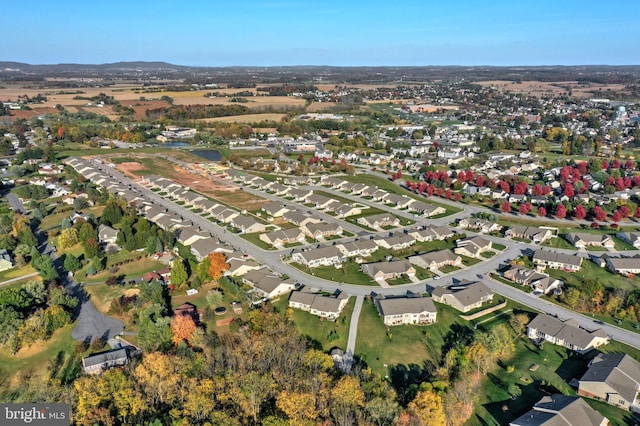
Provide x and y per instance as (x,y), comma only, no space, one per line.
(437,277)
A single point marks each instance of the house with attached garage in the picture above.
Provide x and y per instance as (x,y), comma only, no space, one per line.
(190,234)
(427,210)
(613,378)
(632,238)
(299,219)
(436,259)
(274,209)
(203,247)
(359,248)
(319,201)
(266,284)
(533,233)
(538,281)
(565,333)
(323,256)
(554,260)
(399,201)
(281,237)
(322,229)
(107,235)
(432,233)
(388,270)
(559,410)
(623,265)
(247,225)
(346,210)
(299,194)
(464,296)
(582,240)
(415,309)
(472,247)
(378,221)
(479,225)
(396,242)
(99,362)
(329,307)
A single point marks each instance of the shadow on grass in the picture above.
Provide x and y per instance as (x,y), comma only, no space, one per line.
(508,409)
(406,380)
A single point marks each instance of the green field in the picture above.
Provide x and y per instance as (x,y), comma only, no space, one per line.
(321,333)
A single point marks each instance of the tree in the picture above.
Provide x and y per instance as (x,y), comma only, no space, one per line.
(214,297)
(183,328)
(518,323)
(71,263)
(91,248)
(202,270)
(179,273)
(617,216)
(347,398)
(217,265)
(67,238)
(505,207)
(599,214)
(156,293)
(154,330)
(382,410)
(428,408)
(80,203)
(579,212)
(542,212)
(561,211)
(298,406)
(524,208)
(44,266)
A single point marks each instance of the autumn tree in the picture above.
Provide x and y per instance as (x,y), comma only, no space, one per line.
(67,238)
(579,212)
(183,328)
(427,407)
(217,265)
(298,406)
(518,323)
(505,207)
(347,398)
(382,411)
(561,211)
(542,212)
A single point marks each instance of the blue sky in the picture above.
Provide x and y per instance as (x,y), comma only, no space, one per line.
(343,33)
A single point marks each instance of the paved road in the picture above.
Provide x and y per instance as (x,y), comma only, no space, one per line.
(273,259)
(15,203)
(353,333)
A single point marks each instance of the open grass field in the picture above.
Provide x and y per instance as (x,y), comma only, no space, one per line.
(246,118)
(12,273)
(322,333)
(591,271)
(540,88)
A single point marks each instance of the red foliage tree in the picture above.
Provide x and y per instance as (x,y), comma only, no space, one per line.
(599,214)
(524,208)
(579,212)
(617,216)
(561,211)
(569,191)
(457,196)
(542,212)
(629,165)
(480,180)
(520,188)
(625,211)
(505,207)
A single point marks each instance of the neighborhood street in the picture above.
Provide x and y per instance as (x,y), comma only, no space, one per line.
(273,260)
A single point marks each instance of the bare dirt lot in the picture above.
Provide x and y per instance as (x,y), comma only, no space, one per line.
(225,193)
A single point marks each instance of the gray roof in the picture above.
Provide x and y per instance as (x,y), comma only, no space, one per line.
(321,253)
(116,355)
(405,305)
(552,256)
(618,370)
(323,227)
(393,267)
(437,256)
(567,331)
(560,410)
(470,294)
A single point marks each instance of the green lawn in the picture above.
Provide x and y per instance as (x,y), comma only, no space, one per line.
(17,272)
(349,273)
(322,333)
(559,243)
(130,270)
(590,270)
(256,241)
(407,345)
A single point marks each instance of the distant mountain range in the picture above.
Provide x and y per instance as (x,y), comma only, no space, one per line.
(18,71)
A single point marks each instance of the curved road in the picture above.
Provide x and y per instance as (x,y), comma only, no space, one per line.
(273,259)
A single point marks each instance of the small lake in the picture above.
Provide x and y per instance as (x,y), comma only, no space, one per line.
(175,145)
(210,155)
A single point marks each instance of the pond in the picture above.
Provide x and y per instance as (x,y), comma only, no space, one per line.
(210,155)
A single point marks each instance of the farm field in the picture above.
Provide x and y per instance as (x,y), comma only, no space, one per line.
(246,118)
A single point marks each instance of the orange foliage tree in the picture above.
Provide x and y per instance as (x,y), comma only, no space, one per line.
(217,265)
(183,328)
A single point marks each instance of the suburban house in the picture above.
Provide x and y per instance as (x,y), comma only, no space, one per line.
(632,238)
(432,233)
(399,201)
(247,225)
(480,225)
(406,310)
(240,266)
(323,256)
(427,210)
(538,281)
(565,333)
(561,410)
(472,247)
(266,284)
(5,260)
(465,296)
(322,229)
(299,219)
(533,233)
(201,248)
(361,248)
(388,270)
(97,363)
(319,201)
(554,260)
(436,259)
(396,242)
(275,209)
(378,221)
(346,210)
(623,265)
(187,310)
(613,378)
(584,240)
(107,235)
(323,306)
(281,237)
(299,194)
(190,234)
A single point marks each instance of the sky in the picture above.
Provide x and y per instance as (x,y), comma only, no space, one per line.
(329,32)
